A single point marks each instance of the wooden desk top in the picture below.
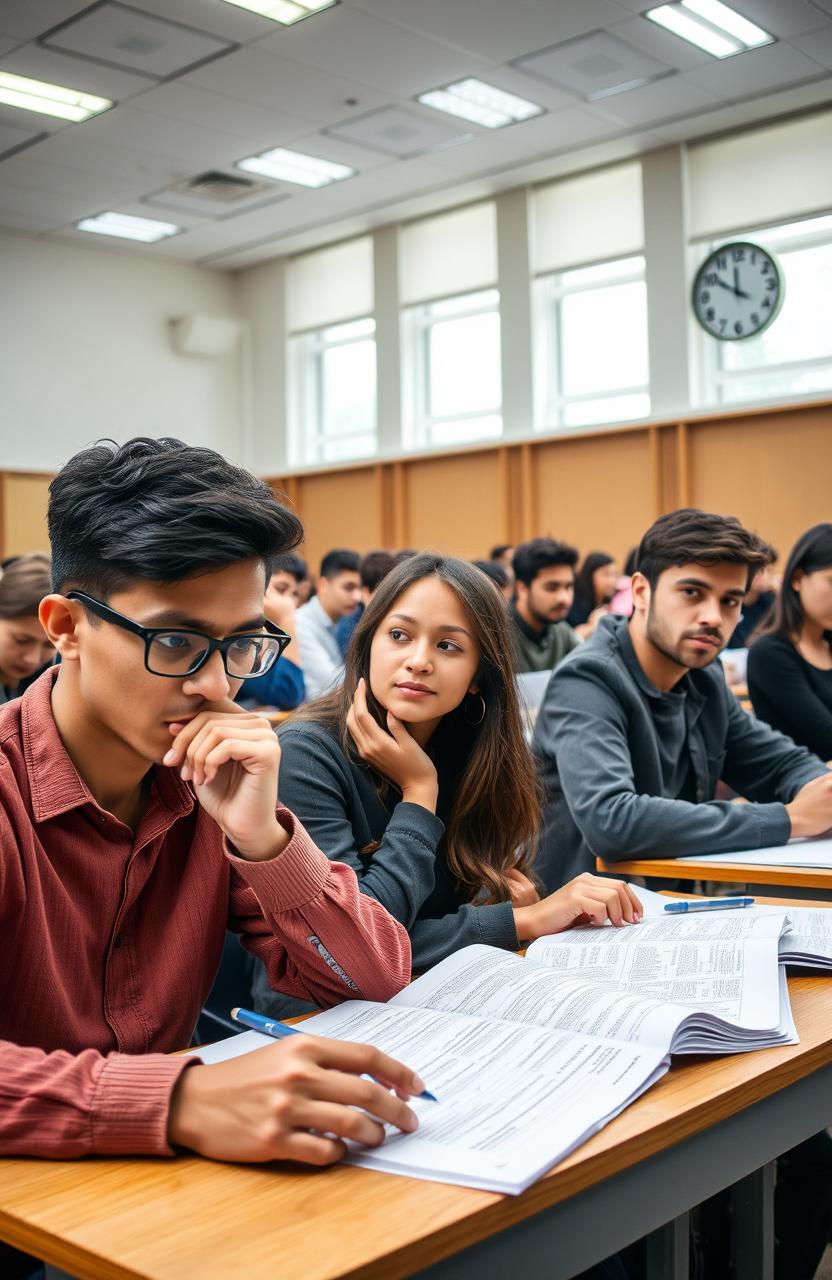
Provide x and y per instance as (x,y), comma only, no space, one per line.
(730,872)
(165,1218)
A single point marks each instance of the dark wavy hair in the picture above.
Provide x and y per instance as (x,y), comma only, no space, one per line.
(487,778)
(691,536)
(161,510)
(584,585)
(812,551)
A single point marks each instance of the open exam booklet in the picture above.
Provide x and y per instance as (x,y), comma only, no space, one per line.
(531,1056)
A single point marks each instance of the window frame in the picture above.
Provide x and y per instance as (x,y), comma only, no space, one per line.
(308,436)
(548,294)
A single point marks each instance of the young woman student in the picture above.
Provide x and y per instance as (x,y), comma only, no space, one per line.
(416,773)
(24,646)
(790,664)
(595,585)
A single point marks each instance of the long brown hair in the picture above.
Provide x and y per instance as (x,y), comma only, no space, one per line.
(490,781)
(24,581)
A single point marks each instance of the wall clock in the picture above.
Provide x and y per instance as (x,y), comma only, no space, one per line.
(738,291)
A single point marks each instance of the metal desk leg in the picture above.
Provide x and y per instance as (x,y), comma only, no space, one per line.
(668,1250)
(752,1224)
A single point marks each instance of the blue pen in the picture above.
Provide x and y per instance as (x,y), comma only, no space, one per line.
(714,904)
(280,1030)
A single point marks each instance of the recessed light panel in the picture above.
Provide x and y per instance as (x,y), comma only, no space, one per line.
(711,26)
(594,66)
(481,103)
(294,166)
(49,99)
(285,11)
(127,227)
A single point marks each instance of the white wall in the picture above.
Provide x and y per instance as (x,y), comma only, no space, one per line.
(85,352)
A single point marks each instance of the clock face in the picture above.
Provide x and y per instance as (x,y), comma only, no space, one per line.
(738,291)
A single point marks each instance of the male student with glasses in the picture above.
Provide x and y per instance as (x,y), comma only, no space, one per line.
(138,821)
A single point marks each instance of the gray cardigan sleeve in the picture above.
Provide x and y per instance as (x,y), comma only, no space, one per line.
(316,784)
(585,727)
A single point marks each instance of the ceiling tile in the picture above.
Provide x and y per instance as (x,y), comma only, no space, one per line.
(126,168)
(327,147)
(27,210)
(182,203)
(548,96)
(256,127)
(399,131)
(755,111)
(270,81)
(818,46)
(484,153)
(493,29)
(188,144)
(377,53)
(26,21)
(783,18)
(215,18)
(11,137)
(755,71)
(7,43)
(74,73)
(124,37)
(593,65)
(562,129)
(31,122)
(665,99)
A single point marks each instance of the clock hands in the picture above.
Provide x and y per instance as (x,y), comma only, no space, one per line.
(737,290)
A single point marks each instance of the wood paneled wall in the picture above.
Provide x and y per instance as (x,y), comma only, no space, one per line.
(599,490)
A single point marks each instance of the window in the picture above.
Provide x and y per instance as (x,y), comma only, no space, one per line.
(452,387)
(591,361)
(794,355)
(332,410)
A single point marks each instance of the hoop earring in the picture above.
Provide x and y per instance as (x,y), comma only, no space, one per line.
(482,716)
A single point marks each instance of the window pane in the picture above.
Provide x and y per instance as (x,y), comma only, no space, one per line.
(465,302)
(342,450)
(803,329)
(349,388)
(583,413)
(467,430)
(464,365)
(604,339)
(346,332)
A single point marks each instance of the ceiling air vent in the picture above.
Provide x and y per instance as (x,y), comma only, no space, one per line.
(225,188)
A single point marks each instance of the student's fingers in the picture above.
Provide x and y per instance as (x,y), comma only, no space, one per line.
(342,1122)
(638,908)
(186,733)
(255,755)
(310,1148)
(357,734)
(610,903)
(364,1059)
(398,730)
(356,1091)
(193,765)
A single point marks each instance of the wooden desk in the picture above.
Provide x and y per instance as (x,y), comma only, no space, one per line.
(798,882)
(707,1124)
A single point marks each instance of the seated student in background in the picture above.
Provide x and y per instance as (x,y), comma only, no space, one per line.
(25,648)
(756,606)
(622,596)
(503,555)
(304,582)
(138,821)
(283,685)
(416,773)
(634,733)
(790,663)
(595,584)
(638,727)
(499,576)
(374,566)
(337,592)
(544,573)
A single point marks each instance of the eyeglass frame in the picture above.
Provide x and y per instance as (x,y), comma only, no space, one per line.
(149,634)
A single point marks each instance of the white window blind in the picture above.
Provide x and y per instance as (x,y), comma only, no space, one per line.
(590,218)
(453,253)
(763,176)
(330,285)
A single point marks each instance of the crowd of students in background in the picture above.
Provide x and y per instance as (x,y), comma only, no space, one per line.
(429,820)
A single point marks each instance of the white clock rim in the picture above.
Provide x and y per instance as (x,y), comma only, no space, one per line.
(775,311)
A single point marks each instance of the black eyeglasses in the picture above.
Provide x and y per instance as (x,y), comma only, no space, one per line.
(177,653)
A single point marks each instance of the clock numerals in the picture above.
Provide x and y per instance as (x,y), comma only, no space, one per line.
(737,291)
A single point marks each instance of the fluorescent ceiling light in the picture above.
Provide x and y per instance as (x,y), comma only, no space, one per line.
(285,11)
(49,99)
(481,103)
(711,26)
(294,166)
(126,227)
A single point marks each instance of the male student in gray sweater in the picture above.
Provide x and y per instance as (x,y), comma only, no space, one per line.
(637,726)
(636,729)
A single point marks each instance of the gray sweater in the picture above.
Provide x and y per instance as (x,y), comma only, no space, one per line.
(336,800)
(632,772)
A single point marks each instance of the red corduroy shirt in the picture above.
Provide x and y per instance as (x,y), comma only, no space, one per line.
(110,940)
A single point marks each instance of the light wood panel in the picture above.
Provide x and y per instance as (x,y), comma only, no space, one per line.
(23,505)
(457,504)
(339,509)
(161,1219)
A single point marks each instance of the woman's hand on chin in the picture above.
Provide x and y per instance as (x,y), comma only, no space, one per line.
(396,754)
